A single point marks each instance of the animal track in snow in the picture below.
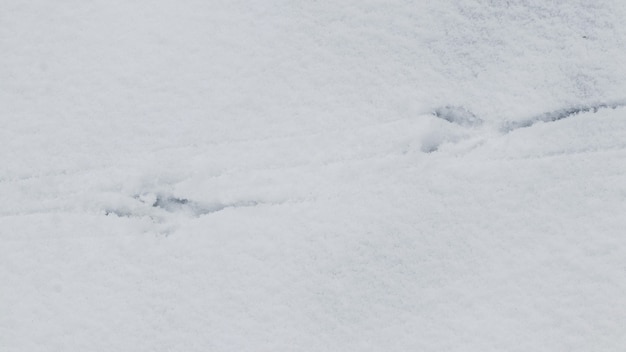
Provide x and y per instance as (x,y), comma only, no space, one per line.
(173,204)
(559,115)
(461,117)
(458,115)
(458,124)
(150,204)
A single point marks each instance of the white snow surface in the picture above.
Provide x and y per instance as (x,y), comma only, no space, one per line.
(313,175)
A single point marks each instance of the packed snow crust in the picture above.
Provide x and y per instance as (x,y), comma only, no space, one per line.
(313,175)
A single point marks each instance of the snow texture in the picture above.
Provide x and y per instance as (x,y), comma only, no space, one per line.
(313,175)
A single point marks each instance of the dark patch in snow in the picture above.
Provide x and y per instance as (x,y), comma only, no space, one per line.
(458,115)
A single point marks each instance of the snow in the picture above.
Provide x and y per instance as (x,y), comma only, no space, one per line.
(312,176)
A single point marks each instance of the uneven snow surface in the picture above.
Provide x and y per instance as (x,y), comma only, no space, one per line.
(313,175)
